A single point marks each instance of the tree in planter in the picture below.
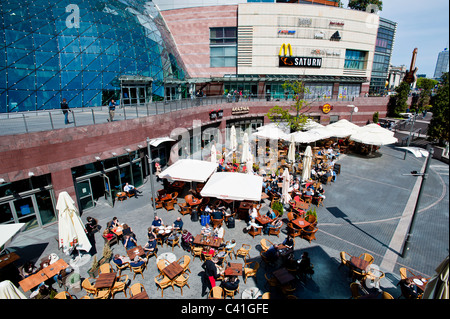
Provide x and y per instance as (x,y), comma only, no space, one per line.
(311,211)
(375,117)
(278,206)
(94,267)
(438,128)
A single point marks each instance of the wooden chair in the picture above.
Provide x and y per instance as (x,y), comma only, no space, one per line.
(302,205)
(265,244)
(184,262)
(265,295)
(250,271)
(170,204)
(312,219)
(293,231)
(161,264)
(244,251)
(187,200)
(275,231)
(255,231)
(318,201)
(105,268)
(112,241)
(119,285)
(230,293)
(216,293)
(121,267)
(63,295)
(182,281)
(138,270)
(291,216)
(103,294)
(404,273)
(216,222)
(88,286)
(345,259)
(184,210)
(163,282)
(354,288)
(197,252)
(288,289)
(136,289)
(367,257)
(175,242)
(309,234)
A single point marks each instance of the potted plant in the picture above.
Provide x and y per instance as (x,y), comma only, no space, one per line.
(311,211)
(93,271)
(277,206)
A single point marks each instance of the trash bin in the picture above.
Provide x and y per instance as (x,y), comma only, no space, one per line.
(204,219)
(194,216)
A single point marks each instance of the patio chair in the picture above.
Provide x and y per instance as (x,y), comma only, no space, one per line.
(244,251)
(175,242)
(197,252)
(354,288)
(293,231)
(255,231)
(182,281)
(386,295)
(291,216)
(121,267)
(309,234)
(185,209)
(216,293)
(345,259)
(367,257)
(170,204)
(138,270)
(103,294)
(312,219)
(184,262)
(265,244)
(63,295)
(105,268)
(265,295)
(119,285)
(136,289)
(404,273)
(230,293)
(275,231)
(250,271)
(161,264)
(162,282)
(88,286)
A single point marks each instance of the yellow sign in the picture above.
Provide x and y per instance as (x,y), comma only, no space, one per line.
(326,108)
(287,48)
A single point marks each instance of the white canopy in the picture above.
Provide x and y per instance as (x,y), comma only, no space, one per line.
(285,197)
(417,151)
(156,141)
(271,132)
(233,186)
(291,152)
(71,231)
(312,135)
(213,154)
(233,139)
(373,134)
(310,124)
(189,170)
(7,232)
(342,128)
(9,291)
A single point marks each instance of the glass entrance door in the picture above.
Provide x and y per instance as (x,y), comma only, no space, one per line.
(26,213)
(84,191)
(108,193)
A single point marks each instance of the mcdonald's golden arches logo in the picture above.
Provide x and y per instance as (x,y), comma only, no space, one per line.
(287,48)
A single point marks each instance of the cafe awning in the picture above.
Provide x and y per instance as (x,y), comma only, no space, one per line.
(233,186)
(7,232)
(156,141)
(189,170)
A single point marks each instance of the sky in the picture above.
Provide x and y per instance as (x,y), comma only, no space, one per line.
(420,24)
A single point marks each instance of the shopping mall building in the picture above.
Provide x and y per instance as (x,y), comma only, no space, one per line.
(144,53)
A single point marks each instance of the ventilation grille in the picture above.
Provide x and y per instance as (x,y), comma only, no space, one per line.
(245,46)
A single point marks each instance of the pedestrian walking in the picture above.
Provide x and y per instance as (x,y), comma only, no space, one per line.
(112,109)
(65,110)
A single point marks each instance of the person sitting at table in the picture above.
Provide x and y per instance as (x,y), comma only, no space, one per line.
(288,241)
(206,230)
(129,242)
(254,224)
(28,269)
(230,283)
(217,214)
(186,240)
(219,231)
(409,289)
(173,236)
(273,224)
(126,230)
(157,222)
(151,235)
(150,247)
(108,234)
(320,192)
(271,214)
(210,274)
(114,223)
(304,265)
(131,190)
(272,253)
(178,224)
(119,260)
(252,212)
(138,261)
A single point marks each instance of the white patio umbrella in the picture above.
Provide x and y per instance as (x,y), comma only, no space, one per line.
(7,233)
(285,197)
(372,134)
(437,287)
(313,135)
(249,164)
(307,161)
(342,128)
(233,140)
(245,149)
(291,152)
(213,154)
(310,124)
(272,133)
(72,233)
(9,291)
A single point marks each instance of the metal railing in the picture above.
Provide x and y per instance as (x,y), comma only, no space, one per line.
(46,120)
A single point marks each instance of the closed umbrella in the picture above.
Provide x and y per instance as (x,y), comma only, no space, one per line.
(213,154)
(72,233)
(307,161)
(9,291)
(437,287)
(285,197)
(233,140)
(245,149)
(291,152)
(249,164)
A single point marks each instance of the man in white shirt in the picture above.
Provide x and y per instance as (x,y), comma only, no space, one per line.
(131,190)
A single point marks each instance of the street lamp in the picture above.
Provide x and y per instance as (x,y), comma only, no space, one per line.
(424,177)
(354,109)
(150,168)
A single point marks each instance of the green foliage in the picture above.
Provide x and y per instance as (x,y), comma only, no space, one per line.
(361,5)
(291,114)
(375,117)
(312,211)
(398,103)
(427,86)
(278,207)
(438,128)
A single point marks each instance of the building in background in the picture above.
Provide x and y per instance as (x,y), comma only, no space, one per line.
(396,75)
(441,64)
(382,57)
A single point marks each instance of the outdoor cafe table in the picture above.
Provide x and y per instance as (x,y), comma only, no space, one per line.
(359,263)
(233,269)
(418,281)
(283,276)
(135,251)
(33,280)
(300,222)
(55,268)
(105,280)
(117,231)
(141,295)
(263,220)
(8,259)
(210,241)
(167,257)
(172,270)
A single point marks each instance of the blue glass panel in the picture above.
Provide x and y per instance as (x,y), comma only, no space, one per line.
(71,61)
(43,77)
(45,42)
(95,65)
(27,62)
(18,79)
(3,103)
(67,76)
(89,97)
(93,47)
(68,44)
(108,77)
(2,58)
(12,36)
(46,61)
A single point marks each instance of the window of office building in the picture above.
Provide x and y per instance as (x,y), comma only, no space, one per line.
(355,59)
(222,43)
(350,90)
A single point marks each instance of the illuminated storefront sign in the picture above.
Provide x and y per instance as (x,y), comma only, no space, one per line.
(286,32)
(326,108)
(293,61)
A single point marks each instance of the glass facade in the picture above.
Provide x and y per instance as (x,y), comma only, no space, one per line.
(77,49)
(223,51)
